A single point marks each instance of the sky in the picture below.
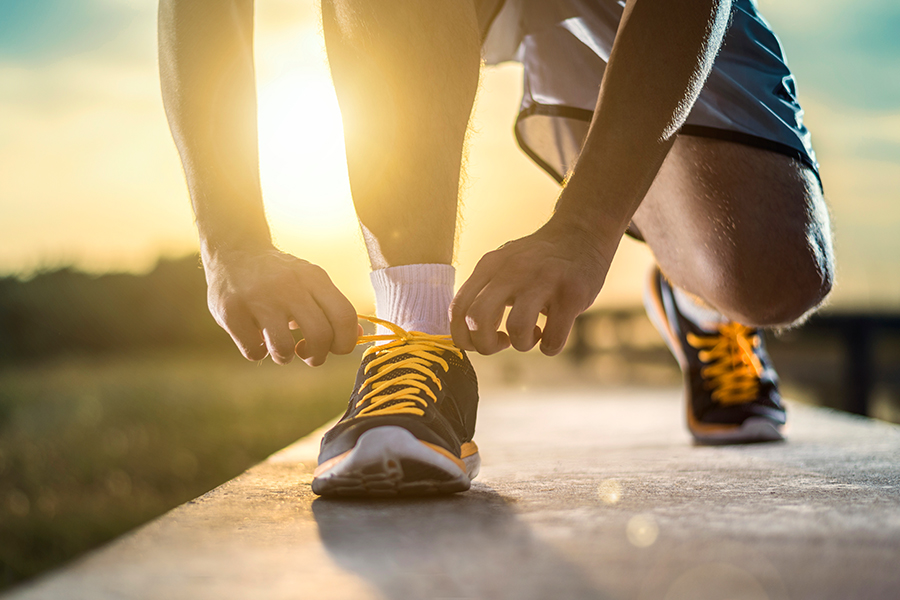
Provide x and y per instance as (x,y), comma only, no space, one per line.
(89,174)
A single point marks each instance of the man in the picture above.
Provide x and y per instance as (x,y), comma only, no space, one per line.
(720,181)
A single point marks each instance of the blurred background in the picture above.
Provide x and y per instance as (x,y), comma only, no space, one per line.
(120,397)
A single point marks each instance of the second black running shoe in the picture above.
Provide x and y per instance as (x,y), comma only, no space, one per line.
(730,383)
(409,426)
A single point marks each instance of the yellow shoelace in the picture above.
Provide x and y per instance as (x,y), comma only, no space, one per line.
(421,352)
(733,369)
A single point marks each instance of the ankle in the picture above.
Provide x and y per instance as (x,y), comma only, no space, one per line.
(696,310)
(415,297)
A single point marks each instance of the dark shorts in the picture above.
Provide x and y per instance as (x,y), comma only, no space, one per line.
(750,96)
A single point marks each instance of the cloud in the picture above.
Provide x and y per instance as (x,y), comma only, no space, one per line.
(846,53)
(858,151)
(38,32)
(94,181)
(88,169)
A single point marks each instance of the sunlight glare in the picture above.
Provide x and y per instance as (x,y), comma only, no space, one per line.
(303,169)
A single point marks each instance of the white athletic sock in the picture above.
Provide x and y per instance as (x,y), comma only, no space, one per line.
(701,314)
(415,297)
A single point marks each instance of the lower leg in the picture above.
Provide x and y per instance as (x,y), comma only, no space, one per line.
(743,229)
(405,73)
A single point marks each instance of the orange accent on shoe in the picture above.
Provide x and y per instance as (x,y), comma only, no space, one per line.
(447,453)
(330,463)
(468,449)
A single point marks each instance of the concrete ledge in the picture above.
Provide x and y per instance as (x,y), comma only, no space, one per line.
(582,495)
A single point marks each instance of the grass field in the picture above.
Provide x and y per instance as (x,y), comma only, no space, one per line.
(92,447)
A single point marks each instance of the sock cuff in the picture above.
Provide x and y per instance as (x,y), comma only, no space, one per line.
(415,297)
(435,274)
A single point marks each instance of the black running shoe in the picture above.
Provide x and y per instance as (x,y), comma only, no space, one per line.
(730,384)
(409,426)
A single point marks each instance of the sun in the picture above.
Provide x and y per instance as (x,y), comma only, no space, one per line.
(302,161)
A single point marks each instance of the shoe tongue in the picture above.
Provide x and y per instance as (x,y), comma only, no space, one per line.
(704,317)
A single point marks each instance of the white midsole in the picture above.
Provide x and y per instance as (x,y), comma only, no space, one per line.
(389,445)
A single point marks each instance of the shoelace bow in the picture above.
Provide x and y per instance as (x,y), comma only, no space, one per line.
(732,368)
(420,351)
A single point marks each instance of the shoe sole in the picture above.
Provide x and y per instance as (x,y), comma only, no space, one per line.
(754,429)
(391,461)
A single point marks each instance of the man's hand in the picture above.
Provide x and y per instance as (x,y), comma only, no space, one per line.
(557,271)
(257,297)
(654,75)
(257,293)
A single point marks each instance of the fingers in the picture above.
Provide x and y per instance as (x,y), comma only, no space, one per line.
(560,319)
(459,330)
(475,324)
(278,338)
(521,324)
(342,318)
(301,349)
(242,328)
(484,317)
(551,269)
(462,302)
(477,310)
(269,332)
(318,335)
(259,297)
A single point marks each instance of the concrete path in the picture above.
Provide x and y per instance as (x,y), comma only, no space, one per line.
(582,495)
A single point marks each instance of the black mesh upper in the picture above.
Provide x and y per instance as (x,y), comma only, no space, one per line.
(768,401)
(449,422)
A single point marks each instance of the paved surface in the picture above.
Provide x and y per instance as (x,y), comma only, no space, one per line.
(582,495)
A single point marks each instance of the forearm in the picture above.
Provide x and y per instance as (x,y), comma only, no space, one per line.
(661,57)
(208,86)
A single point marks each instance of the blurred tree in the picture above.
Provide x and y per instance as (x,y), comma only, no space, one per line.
(65,312)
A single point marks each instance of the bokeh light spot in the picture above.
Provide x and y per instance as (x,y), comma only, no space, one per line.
(609,491)
(642,530)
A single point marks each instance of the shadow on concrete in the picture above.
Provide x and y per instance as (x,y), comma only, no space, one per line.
(471,545)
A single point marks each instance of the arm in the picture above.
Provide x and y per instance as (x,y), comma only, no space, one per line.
(661,57)
(209,92)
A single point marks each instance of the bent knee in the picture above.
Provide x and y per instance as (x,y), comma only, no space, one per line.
(776,297)
(788,302)
(777,277)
